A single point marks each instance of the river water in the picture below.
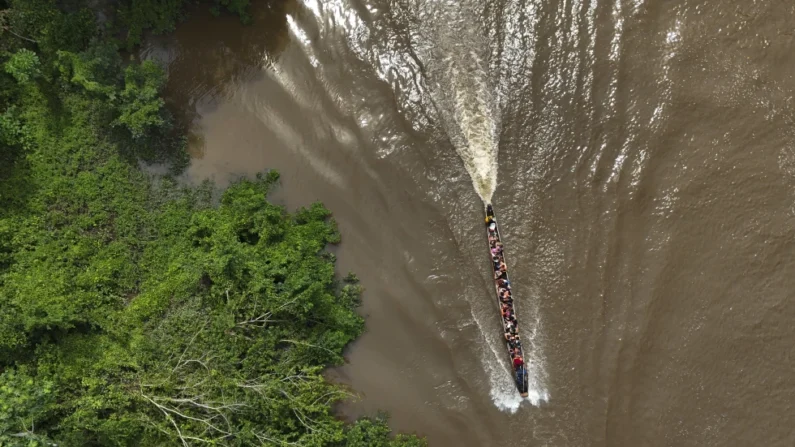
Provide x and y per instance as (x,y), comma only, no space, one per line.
(641,160)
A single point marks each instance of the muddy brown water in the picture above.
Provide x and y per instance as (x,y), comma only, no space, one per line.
(645,187)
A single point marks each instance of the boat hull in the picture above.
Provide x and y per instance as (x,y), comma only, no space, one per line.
(514,346)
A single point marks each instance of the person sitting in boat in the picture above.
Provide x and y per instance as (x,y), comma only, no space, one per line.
(503,267)
(499,274)
(513,344)
(518,361)
(493,239)
(504,283)
(492,226)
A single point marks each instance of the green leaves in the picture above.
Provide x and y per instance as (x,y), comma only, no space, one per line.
(24,402)
(135,311)
(140,103)
(95,69)
(24,66)
(138,106)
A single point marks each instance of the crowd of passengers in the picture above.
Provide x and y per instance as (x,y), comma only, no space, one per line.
(504,292)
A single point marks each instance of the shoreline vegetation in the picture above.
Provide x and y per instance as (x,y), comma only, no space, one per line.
(135,311)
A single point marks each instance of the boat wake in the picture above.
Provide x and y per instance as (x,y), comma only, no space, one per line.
(468,106)
(466,102)
(502,389)
(447,69)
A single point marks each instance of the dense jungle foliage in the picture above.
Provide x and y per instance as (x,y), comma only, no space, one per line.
(135,311)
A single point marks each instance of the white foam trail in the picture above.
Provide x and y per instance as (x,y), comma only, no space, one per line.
(476,117)
(468,109)
(502,390)
(455,60)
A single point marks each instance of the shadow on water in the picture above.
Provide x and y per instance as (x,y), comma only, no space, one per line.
(201,64)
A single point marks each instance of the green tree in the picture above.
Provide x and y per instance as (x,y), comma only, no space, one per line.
(141,108)
(374,432)
(135,311)
(96,69)
(24,66)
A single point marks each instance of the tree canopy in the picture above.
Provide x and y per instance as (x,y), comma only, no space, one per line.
(135,311)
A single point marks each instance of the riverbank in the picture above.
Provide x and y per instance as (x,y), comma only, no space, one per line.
(602,107)
(138,311)
(327,129)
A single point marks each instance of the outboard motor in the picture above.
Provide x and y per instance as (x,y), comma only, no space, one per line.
(489,210)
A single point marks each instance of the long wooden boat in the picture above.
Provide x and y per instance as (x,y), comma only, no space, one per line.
(506,303)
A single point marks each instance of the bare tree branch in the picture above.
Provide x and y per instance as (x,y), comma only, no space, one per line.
(21,37)
(6,27)
(263,438)
(310,345)
(170,419)
(265,318)
(169,411)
